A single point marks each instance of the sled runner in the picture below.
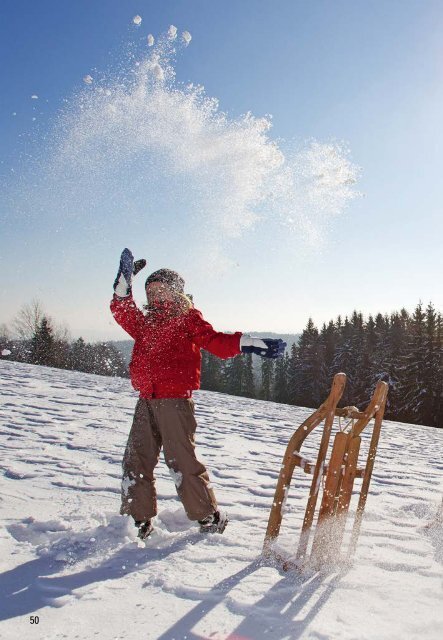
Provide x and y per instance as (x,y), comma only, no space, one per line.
(337,477)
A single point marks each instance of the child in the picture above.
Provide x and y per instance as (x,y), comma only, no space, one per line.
(165,369)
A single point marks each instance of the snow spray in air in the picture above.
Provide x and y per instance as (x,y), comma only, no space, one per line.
(139,140)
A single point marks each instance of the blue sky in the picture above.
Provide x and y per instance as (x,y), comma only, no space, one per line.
(369,74)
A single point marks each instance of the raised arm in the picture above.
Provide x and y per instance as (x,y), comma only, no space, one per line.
(123,307)
(127,314)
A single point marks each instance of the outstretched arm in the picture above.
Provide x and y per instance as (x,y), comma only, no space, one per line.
(227,345)
(223,345)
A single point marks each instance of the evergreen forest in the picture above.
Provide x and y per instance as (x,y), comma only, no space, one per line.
(402,349)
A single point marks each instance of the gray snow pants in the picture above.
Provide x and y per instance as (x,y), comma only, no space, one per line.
(170,423)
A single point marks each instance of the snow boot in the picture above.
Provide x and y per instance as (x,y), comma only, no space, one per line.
(215,523)
(144,529)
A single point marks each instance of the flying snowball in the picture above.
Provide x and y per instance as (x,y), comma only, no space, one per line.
(87,79)
(34,97)
(137,20)
(158,72)
(172,32)
(186,37)
(150,40)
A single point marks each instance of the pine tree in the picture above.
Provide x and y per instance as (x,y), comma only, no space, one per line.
(328,340)
(344,358)
(431,382)
(61,353)
(267,378)
(438,420)
(280,392)
(233,376)
(311,362)
(413,368)
(380,357)
(293,375)
(398,334)
(248,385)
(42,344)
(356,374)
(211,372)
(364,386)
(77,355)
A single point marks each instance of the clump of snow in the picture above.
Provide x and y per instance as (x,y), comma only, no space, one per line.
(37,532)
(6,352)
(88,79)
(158,72)
(150,39)
(172,520)
(319,479)
(172,32)
(127,482)
(285,500)
(177,476)
(186,37)
(137,20)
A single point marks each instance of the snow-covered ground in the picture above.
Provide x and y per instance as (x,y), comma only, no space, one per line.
(70,559)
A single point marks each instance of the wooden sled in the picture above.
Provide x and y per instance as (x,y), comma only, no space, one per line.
(337,476)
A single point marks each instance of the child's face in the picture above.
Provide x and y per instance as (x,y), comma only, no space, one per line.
(158,292)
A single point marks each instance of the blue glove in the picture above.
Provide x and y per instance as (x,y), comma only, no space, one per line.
(265,347)
(127,269)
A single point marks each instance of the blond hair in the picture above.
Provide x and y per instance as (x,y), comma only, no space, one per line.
(183,303)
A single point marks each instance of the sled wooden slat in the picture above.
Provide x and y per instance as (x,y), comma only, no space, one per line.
(285,477)
(308,467)
(338,475)
(338,386)
(344,496)
(350,473)
(379,398)
(324,413)
(334,476)
(343,413)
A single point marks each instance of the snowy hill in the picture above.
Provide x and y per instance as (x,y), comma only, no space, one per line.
(68,558)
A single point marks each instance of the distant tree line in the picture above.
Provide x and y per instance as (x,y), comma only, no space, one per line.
(402,349)
(40,341)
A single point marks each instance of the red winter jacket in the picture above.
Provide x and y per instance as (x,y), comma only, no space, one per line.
(166,359)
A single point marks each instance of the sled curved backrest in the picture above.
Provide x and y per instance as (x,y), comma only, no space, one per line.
(292,458)
(339,473)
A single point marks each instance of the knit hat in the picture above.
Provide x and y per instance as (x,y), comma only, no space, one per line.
(168,277)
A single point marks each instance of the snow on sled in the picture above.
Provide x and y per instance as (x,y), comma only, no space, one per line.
(337,477)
